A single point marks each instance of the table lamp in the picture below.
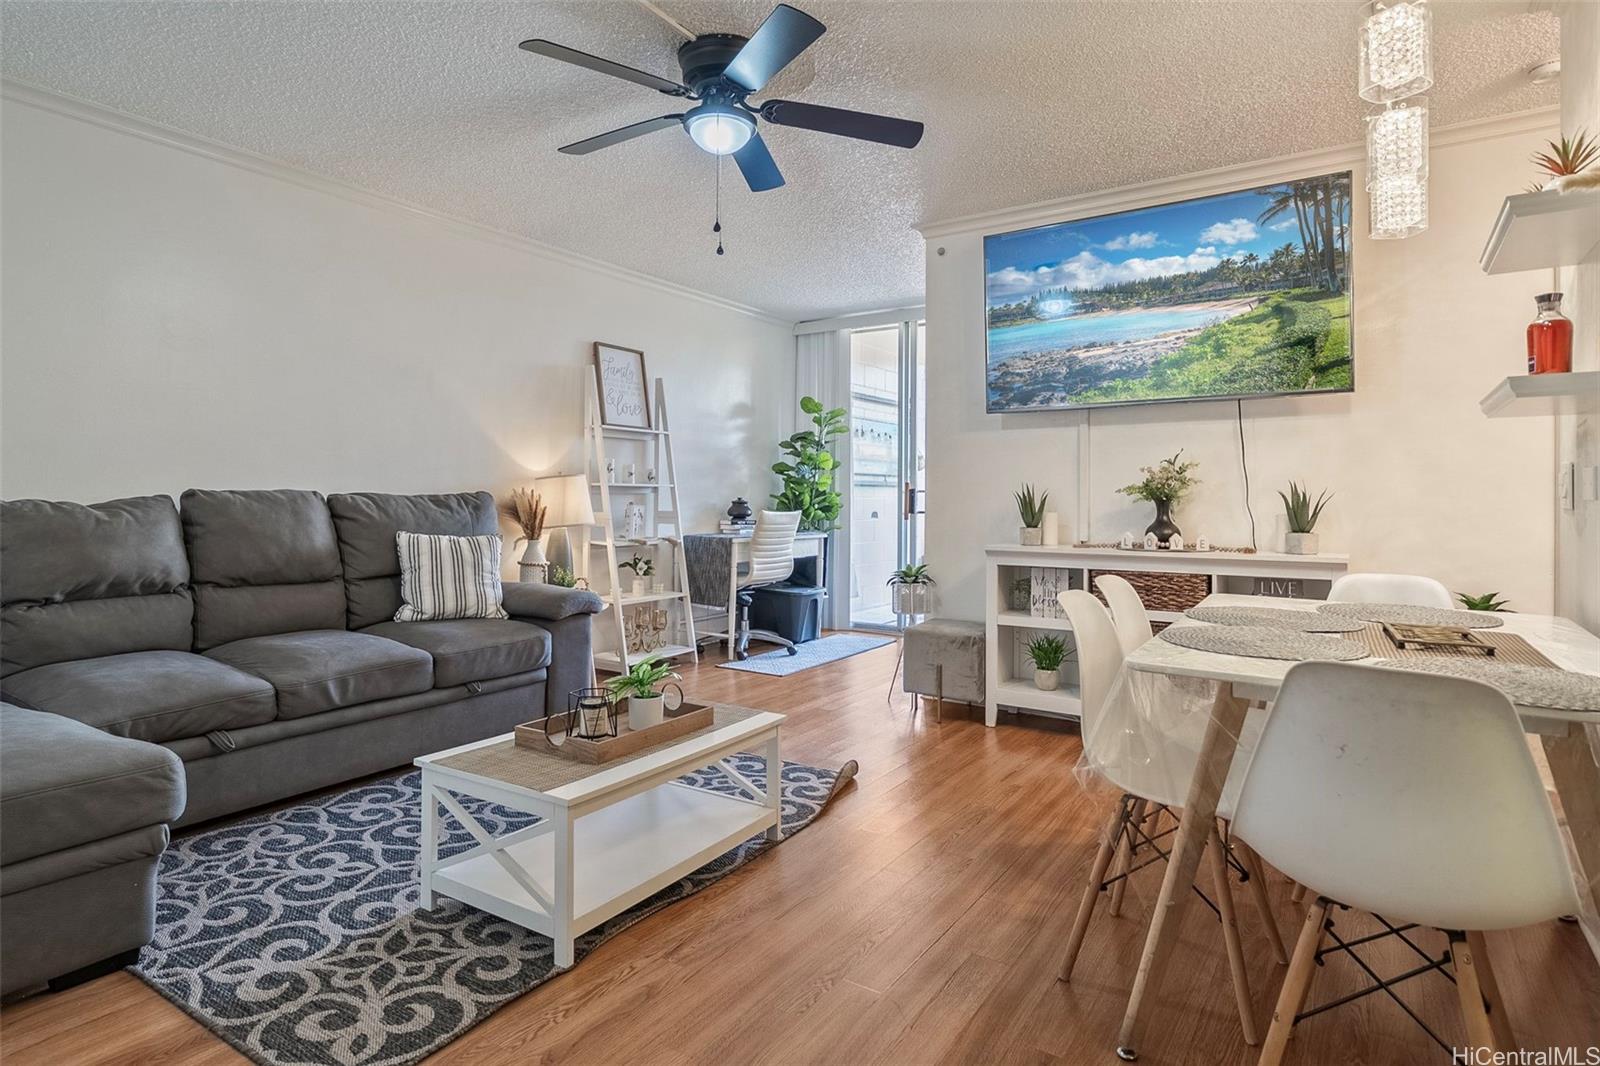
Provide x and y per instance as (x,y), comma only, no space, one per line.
(567,498)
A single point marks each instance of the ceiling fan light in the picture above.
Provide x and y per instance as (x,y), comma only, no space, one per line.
(718,129)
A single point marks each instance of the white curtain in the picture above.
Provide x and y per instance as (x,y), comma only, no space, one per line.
(822,369)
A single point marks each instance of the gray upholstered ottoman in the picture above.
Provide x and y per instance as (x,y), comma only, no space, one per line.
(944,659)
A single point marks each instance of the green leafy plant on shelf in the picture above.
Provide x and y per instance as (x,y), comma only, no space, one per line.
(1565,158)
(915,574)
(640,566)
(1047,653)
(808,473)
(1030,506)
(1299,509)
(644,679)
(561,576)
(1489,601)
(1166,482)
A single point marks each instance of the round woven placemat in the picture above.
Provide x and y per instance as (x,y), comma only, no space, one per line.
(1262,642)
(1276,618)
(1528,686)
(1410,614)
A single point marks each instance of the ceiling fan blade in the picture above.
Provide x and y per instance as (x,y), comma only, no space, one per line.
(626,133)
(785,34)
(542,47)
(902,133)
(755,163)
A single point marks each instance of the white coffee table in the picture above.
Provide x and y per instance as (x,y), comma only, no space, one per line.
(611,836)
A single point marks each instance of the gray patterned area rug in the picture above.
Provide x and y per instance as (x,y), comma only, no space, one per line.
(295,936)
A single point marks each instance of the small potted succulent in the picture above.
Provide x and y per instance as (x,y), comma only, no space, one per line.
(642,685)
(1164,485)
(1030,506)
(1489,601)
(1302,514)
(910,585)
(1047,654)
(642,570)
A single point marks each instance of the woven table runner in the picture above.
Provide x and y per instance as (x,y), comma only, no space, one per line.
(1276,618)
(1508,648)
(543,771)
(1411,614)
(1526,686)
(1262,642)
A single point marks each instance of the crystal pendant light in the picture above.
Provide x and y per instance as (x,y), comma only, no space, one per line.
(1397,170)
(1396,53)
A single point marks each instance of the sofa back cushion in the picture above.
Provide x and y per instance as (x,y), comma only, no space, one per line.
(264,561)
(80,581)
(367,523)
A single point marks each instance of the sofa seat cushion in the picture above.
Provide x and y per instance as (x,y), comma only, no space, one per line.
(147,695)
(472,649)
(64,783)
(320,669)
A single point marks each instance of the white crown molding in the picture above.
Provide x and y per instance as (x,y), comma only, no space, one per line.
(861,320)
(132,125)
(1225,179)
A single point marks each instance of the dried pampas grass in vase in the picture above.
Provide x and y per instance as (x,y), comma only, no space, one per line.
(527,510)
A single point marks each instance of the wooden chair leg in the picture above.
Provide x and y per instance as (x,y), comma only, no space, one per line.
(1097,876)
(1258,895)
(1125,857)
(1230,937)
(1296,984)
(1470,987)
(1299,893)
(1499,1020)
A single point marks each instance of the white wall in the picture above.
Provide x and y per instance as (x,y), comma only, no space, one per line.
(1424,482)
(172,320)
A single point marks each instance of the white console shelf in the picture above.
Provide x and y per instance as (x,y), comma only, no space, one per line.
(1008,628)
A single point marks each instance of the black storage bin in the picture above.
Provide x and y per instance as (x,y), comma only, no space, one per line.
(794,612)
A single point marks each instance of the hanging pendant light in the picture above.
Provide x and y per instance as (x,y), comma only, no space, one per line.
(1396,51)
(1396,65)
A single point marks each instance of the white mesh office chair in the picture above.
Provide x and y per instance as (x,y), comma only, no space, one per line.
(1413,797)
(1127,611)
(771,561)
(1390,588)
(1160,780)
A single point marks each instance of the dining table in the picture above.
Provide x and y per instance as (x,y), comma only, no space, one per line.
(1242,684)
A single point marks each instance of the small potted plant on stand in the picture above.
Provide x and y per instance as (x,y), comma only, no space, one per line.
(1030,506)
(910,584)
(1164,485)
(642,685)
(1302,515)
(1047,654)
(642,569)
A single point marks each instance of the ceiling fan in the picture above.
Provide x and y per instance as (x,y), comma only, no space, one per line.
(720,70)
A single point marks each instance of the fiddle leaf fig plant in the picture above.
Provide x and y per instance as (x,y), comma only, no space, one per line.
(808,472)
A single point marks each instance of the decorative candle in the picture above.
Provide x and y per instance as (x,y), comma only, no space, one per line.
(1052,528)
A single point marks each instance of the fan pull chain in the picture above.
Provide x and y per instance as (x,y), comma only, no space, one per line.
(716,225)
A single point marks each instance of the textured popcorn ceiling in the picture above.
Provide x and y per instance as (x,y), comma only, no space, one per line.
(434,104)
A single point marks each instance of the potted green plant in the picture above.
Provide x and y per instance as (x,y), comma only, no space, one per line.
(1302,514)
(1489,601)
(642,570)
(1164,485)
(642,686)
(562,577)
(910,585)
(808,472)
(1030,506)
(1047,653)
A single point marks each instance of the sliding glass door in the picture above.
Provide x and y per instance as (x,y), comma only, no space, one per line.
(887,479)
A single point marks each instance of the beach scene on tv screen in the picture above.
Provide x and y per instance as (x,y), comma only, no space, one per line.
(1240,294)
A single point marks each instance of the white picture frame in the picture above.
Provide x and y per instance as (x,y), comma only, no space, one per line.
(623,386)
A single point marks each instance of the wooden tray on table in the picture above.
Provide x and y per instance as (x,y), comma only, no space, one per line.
(679,722)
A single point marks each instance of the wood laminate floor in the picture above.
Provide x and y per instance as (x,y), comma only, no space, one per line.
(919,920)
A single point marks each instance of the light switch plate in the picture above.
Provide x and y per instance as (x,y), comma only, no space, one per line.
(1589,483)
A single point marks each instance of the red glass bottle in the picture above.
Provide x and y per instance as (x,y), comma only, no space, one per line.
(1550,337)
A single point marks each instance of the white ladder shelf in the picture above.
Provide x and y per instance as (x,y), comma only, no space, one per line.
(662,535)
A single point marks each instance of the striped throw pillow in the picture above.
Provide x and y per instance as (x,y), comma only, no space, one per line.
(448,577)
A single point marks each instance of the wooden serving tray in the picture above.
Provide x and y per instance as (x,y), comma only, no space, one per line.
(1436,638)
(681,721)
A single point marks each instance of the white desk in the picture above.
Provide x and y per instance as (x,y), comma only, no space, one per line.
(1241,680)
(809,545)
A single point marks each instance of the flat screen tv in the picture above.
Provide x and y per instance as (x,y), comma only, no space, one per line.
(1235,295)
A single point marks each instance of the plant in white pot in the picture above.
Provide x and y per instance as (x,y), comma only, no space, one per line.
(1030,506)
(1047,654)
(910,585)
(528,511)
(642,570)
(642,685)
(1302,514)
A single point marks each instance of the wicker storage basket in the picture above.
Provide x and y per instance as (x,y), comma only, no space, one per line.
(1161,591)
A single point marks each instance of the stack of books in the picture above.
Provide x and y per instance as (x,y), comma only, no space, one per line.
(742,525)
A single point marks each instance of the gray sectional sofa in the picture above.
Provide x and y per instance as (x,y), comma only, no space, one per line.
(166,665)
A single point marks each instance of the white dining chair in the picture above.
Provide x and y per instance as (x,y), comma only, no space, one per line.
(1390,588)
(1413,797)
(771,561)
(1127,611)
(1150,783)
